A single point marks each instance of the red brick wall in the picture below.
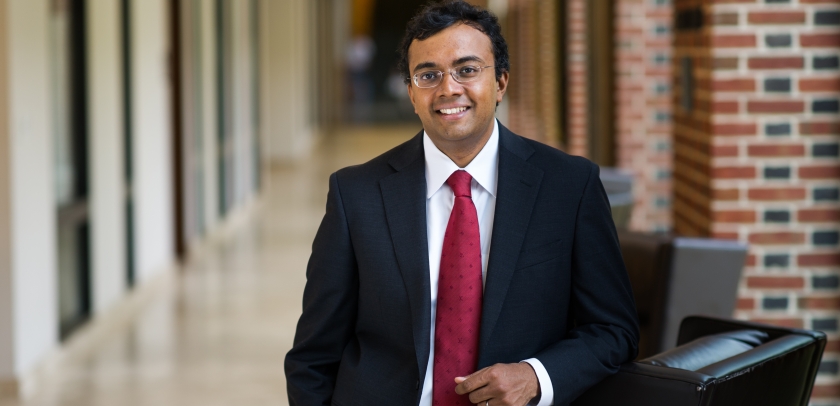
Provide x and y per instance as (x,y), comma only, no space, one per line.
(576,71)
(756,158)
(643,46)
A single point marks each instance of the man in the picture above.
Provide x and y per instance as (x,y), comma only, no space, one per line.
(394,312)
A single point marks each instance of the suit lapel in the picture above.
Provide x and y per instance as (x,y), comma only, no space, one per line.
(404,197)
(518,186)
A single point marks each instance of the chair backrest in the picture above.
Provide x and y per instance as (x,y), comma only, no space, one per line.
(775,367)
(647,258)
(703,279)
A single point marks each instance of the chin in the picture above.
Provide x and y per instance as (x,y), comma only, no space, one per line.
(456,134)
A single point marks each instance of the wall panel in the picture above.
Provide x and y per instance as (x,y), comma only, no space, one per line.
(106,153)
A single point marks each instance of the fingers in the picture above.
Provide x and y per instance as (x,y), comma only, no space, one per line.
(480,396)
(503,384)
(471,382)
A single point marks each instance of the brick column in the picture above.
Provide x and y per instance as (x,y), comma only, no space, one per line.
(576,119)
(643,39)
(522,25)
(534,79)
(548,69)
(756,155)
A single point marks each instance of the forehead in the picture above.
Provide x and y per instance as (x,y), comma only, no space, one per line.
(450,44)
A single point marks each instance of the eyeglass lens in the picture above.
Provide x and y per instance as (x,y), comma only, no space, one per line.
(433,78)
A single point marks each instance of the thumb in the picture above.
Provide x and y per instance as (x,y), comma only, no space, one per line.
(460,379)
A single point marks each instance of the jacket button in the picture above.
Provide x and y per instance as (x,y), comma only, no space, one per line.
(417,385)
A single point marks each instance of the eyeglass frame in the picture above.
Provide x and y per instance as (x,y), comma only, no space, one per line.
(451,72)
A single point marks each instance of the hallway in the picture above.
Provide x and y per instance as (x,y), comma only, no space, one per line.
(216,331)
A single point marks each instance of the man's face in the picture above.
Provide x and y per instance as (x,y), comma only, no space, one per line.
(455,46)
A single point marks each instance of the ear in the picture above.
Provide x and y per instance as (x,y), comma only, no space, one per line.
(501,86)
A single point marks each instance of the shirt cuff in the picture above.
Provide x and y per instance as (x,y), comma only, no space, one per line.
(546,390)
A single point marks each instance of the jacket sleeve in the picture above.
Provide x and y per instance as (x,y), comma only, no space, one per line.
(329,309)
(605,330)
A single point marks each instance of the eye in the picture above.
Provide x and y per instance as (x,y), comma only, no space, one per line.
(427,75)
(468,70)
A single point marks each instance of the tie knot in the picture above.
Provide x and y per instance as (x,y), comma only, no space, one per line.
(459,181)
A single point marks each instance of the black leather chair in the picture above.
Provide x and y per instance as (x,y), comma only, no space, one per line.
(647,258)
(719,362)
(673,277)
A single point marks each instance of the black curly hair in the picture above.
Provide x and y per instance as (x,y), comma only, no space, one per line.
(438,16)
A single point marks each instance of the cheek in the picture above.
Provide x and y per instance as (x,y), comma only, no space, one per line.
(490,100)
(424,104)
(413,99)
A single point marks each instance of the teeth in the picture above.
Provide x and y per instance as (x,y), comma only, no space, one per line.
(453,111)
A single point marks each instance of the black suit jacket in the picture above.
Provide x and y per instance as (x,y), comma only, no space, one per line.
(556,287)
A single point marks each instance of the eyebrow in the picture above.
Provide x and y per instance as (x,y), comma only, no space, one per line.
(424,65)
(468,58)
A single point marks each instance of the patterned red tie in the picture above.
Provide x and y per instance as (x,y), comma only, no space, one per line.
(459,296)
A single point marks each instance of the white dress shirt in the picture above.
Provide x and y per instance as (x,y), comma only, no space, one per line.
(484,170)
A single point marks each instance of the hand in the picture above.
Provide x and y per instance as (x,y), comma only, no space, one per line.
(501,384)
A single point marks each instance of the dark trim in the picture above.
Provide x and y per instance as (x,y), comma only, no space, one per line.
(78,95)
(128,113)
(255,93)
(177,99)
(221,107)
(73,213)
(73,219)
(128,125)
(689,20)
(83,262)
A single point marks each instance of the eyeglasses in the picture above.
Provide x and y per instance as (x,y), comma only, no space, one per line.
(461,74)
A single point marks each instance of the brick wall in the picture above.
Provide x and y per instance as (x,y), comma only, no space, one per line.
(643,45)
(576,83)
(756,155)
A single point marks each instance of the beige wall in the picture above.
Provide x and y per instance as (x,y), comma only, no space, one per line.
(33,228)
(241,99)
(105,117)
(6,321)
(289,131)
(210,124)
(151,143)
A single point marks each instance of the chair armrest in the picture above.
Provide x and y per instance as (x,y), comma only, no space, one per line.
(638,384)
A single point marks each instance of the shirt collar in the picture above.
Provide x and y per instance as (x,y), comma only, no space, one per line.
(483,168)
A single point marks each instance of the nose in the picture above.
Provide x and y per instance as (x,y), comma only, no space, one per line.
(449,86)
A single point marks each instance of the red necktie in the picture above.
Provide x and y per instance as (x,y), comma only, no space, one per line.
(459,296)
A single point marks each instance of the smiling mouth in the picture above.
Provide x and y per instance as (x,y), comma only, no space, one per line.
(456,110)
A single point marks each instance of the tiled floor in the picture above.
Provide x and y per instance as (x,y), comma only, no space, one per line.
(215,332)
